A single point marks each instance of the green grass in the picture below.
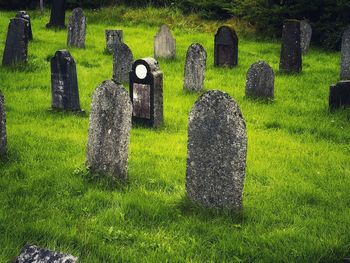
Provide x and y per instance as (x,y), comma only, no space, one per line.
(296,195)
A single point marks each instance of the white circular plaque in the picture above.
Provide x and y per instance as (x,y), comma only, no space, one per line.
(141,71)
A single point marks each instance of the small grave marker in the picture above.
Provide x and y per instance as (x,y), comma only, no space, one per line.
(164,44)
(226,47)
(76,29)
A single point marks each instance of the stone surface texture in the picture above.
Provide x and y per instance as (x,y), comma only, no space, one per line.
(164,44)
(260,81)
(113,38)
(306,34)
(345,56)
(339,95)
(3,137)
(122,63)
(58,14)
(76,29)
(226,47)
(25,16)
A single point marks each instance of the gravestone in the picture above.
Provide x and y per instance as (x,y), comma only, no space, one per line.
(58,14)
(34,254)
(306,34)
(291,57)
(226,47)
(339,95)
(113,37)
(64,83)
(25,16)
(109,131)
(216,152)
(146,91)
(164,44)
(122,63)
(3,137)
(345,56)
(16,47)
(260,81)
(76,29)
(196,59)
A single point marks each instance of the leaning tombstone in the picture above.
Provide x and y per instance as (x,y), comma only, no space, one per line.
(305,37)
(146,91)
(34,254)
(291,56)
(113,37)
(164,44)
(196,60)
(122,63)
(345,56)
(3,137)
(64,83)
(25,16)
(226,47)
(216,152)
(76,29)
(339,95)
(58,14)
(260,81)
(109,131)
(16,47)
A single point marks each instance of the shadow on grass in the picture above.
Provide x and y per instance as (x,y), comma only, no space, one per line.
(259,100)
(29,67)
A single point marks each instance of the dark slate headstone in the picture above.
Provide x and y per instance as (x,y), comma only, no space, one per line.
(306,34)
(113,37)
(58,14)
(345,56)
(3,137)
(216,152)
(34,254)
(76,29)
(339,95)
(260,81)
(146,91)
(196,60)
(25,15)
(164,44)
(122,63)
(226,47)
(64,83)
(291,56)
(109,131)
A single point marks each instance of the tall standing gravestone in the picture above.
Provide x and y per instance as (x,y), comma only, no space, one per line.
(58,14)
(64,83)
(345,56)
(260,81)
(113,38)
(196,60)
(164,44)
(122,63)
(25,16)
(226,47)
(216,152)
(109,131)
(16,47)
(3,138)
(306,34)
(291,56)
(76,29)
(339,95)
(146,91)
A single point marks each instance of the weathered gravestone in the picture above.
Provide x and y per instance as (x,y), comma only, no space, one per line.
(196,59)
(339,95)
(64,83)
(76,29)
(3,138)
(16,47)
(109,131)
(226,47)
(25,16)
(164,44)
(260,81)
(58,14)
(306,34)
(122,63)
(345,56)
(216,152)
(34,254)
(146,91)
(113,37)
(291,56)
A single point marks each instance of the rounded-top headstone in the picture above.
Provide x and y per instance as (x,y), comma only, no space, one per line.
(3,137)
(122,62)
(35,254)
(113,38)
(216,152)
(345,56)
(164,44)
(226,47)
(306,34)
(260,81)
(25,15)
(76,29)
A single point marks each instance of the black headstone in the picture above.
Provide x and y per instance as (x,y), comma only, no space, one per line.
(146,92)
(339,95)
(58,13)
(226,47)
(25,15)
(64,84)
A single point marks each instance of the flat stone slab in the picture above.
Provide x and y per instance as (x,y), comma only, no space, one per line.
(260,81)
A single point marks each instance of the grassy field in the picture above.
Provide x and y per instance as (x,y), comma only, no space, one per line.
(297,187)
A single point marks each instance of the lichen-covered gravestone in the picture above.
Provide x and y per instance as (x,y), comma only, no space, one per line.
(260,81)
(196,60)
(25,15)
(34,254)
(339,95)
(64,83)
(164,44)
(113,38)
(291,55)
(216,152)
(16,47)
(306,34)
(122,63)
(3,138)
(58,14)
(109,131)
(76,29)
(345,56)
(226,47)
